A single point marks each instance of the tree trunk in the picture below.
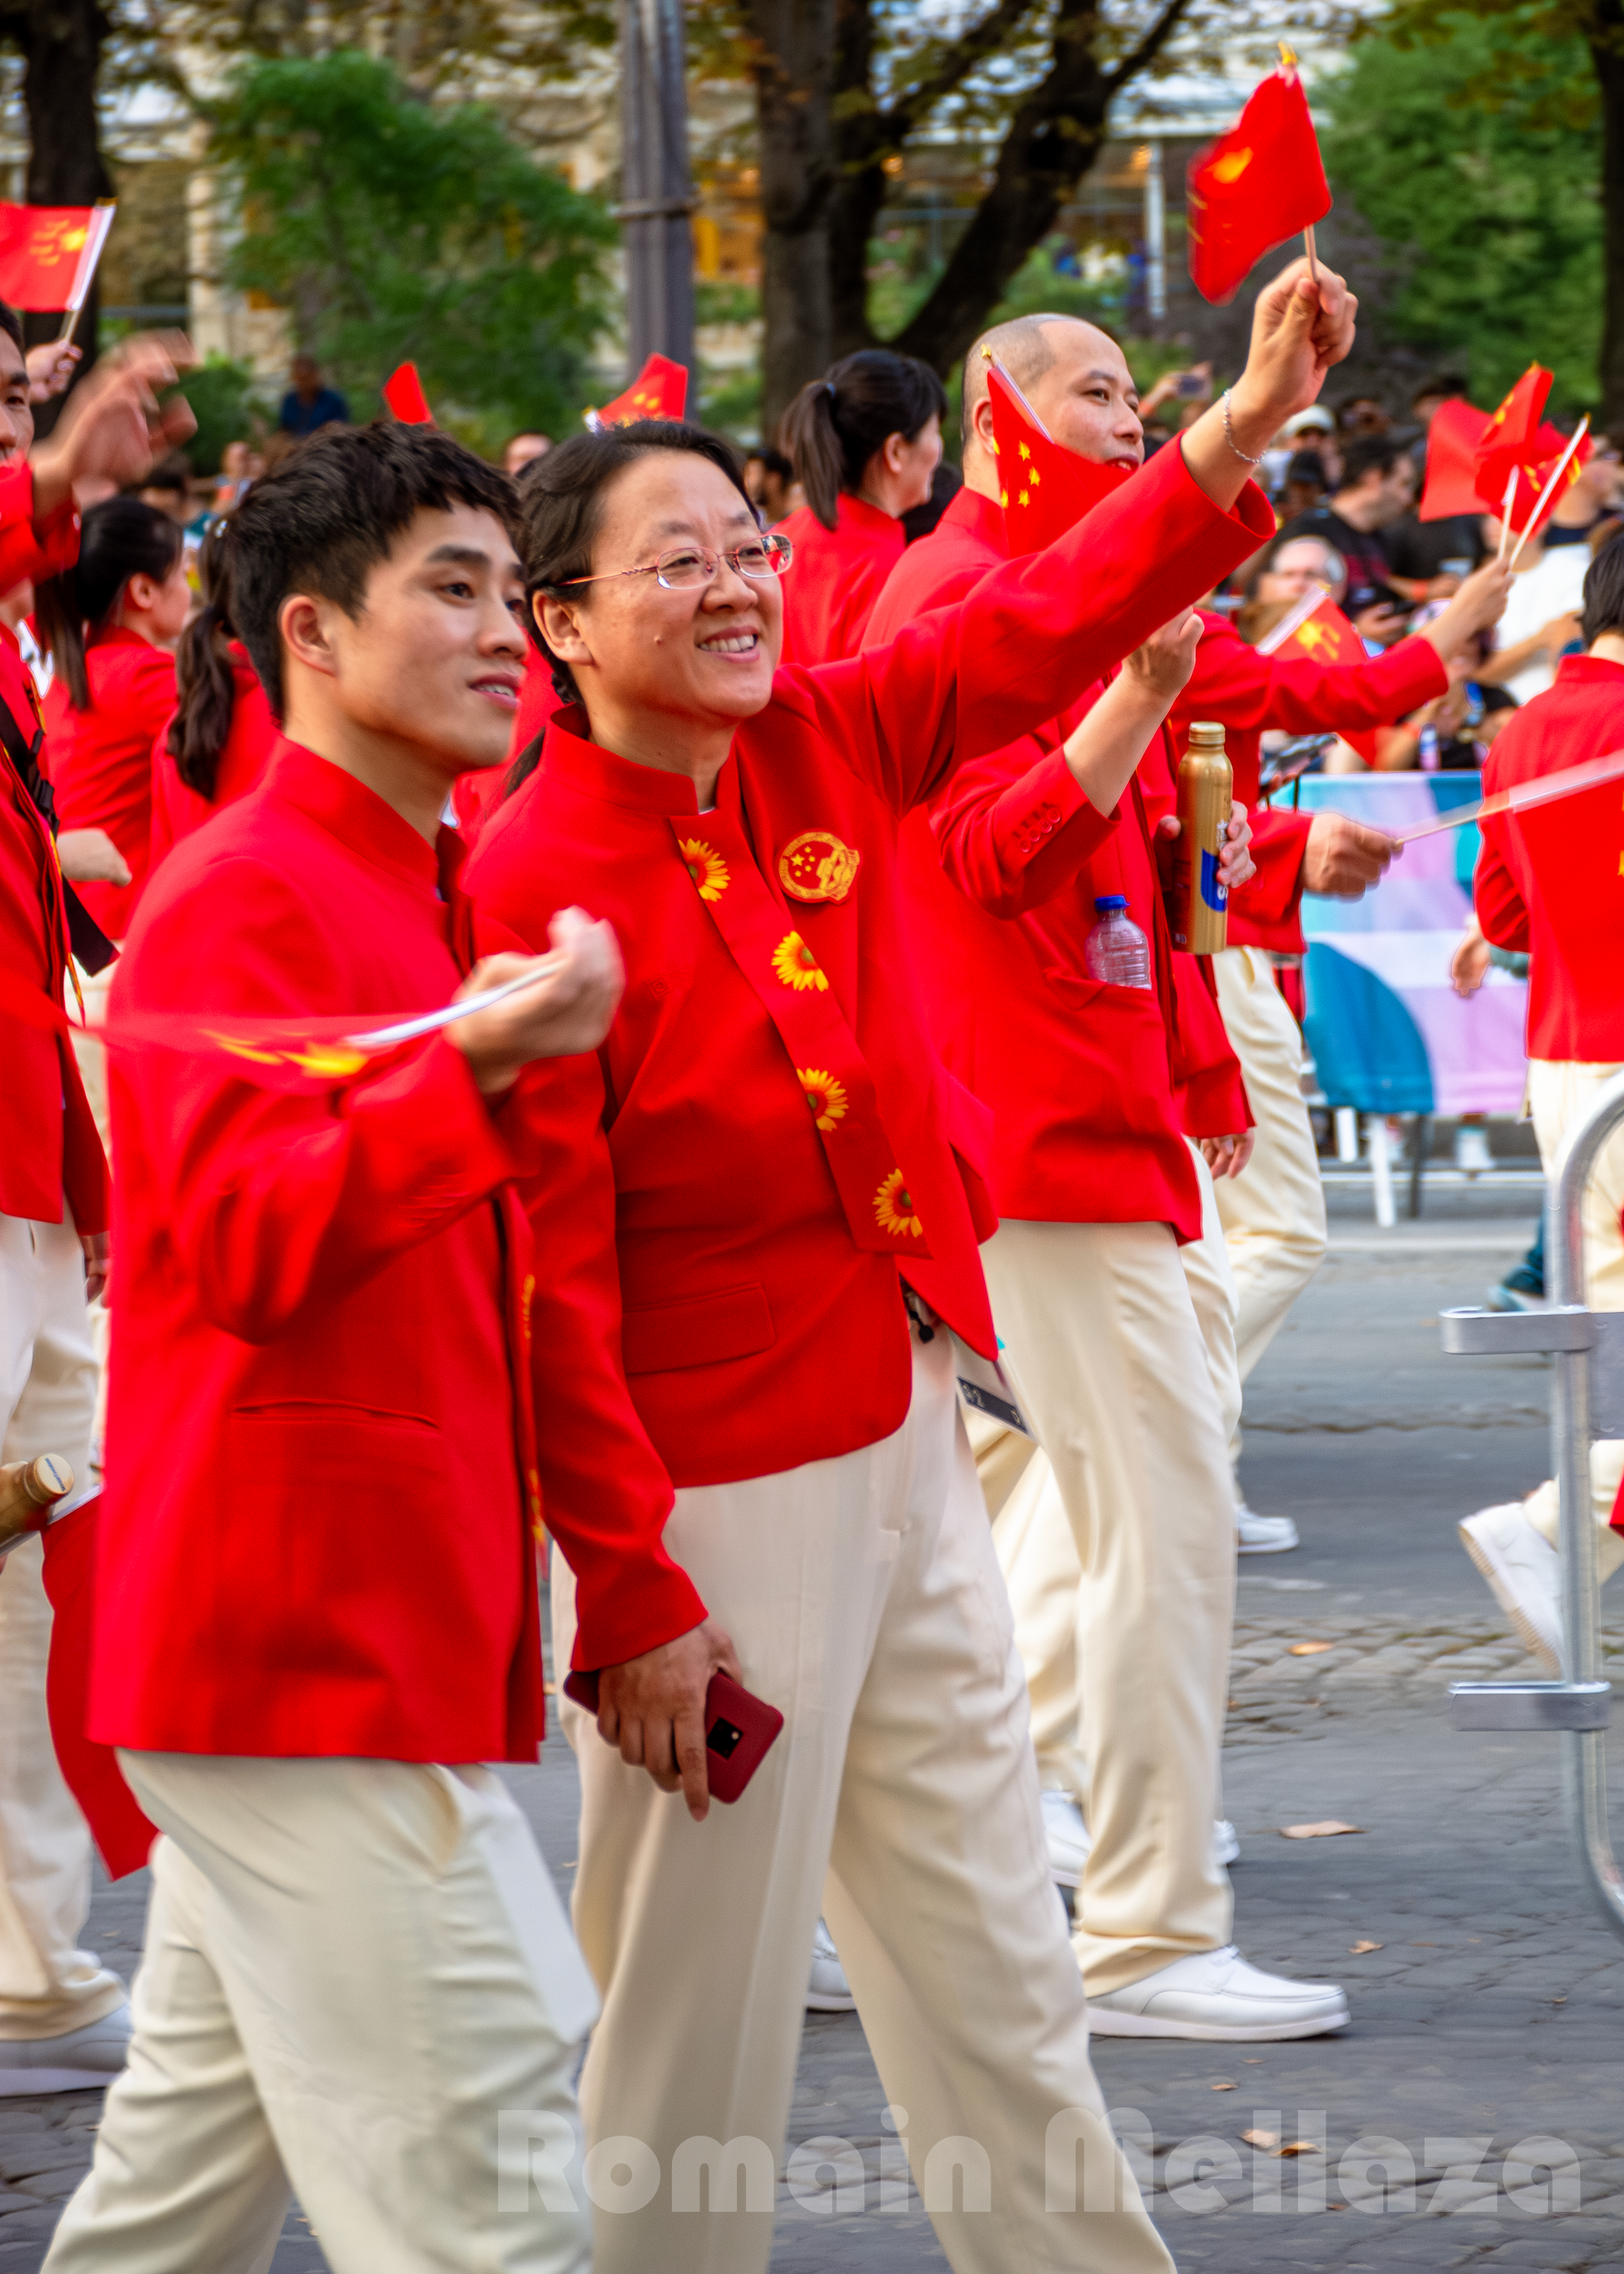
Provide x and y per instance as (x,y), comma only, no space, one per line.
(795,47)
(1607,52)
(61,46)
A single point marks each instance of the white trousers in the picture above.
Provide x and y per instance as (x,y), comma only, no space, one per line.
(1561,1093)
(358,1984)
(47,1395)
(1107,1358)
(1273,1213)
(864,1601)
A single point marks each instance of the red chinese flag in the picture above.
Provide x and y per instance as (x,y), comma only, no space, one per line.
(403,391)
(49,253)
(1045,490)
(1452,440)
(1511,438)
(1531,480)
(1468,459)
(659,391)
(1328,637)
(1254,187)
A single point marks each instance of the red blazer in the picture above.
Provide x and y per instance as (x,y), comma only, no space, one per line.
(178,809)
(770,1126)
(1249,692)
(836,577)
(314,1537)
(1000,881)
(1551,882)
(101,759)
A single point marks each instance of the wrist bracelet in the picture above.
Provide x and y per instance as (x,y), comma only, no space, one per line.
(1230,437)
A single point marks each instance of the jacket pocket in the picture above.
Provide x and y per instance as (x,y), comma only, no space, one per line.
(703,1330)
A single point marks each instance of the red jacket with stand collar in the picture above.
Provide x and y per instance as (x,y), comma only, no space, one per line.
(1551,882)
(50,1152)
(316,1532)
(776,1143)
(837,576)
(1246,692)
(177,807)
(1000,877)
(101,759)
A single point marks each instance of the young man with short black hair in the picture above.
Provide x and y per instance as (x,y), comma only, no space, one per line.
(1376,487)
(317,1583)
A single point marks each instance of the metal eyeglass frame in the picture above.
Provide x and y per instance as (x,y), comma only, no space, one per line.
(777,551)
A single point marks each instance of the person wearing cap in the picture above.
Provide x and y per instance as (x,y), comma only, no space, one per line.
(1314,429)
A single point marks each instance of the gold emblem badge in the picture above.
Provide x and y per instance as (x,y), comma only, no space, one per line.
(818,866)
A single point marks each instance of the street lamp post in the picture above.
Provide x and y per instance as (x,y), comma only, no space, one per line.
(657,198)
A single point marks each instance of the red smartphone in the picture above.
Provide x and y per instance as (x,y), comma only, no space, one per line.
(740,1729)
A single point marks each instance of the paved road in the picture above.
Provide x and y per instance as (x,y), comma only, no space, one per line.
(1488,2015)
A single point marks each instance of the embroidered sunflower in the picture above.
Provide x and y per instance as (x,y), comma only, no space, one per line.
(825,1096)
(708,869)
(796,966)
(893,1208)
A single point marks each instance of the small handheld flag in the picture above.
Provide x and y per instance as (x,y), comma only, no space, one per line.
(1466,450)
(1316,628)
(1044,489)
(659,391)
(49,253)
(403,391)
(1254,187)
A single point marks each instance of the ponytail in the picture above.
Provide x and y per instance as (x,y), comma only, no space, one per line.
(203,676)
(835,425)
(119,539)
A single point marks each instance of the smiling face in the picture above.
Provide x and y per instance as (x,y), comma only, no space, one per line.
(434,658)
(704,653)
(1086,397)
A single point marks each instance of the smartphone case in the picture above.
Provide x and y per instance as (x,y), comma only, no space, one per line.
(740,1729)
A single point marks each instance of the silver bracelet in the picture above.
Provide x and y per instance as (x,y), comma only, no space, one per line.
(1230,437)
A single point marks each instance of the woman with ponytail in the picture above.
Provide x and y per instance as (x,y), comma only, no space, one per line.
(111,624)
(865,441)
(218,741)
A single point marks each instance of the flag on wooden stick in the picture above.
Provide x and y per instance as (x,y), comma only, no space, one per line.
(1254,187)
(49,253)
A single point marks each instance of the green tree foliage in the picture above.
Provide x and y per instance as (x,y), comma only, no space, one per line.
(1473,151)
(224,401)
(395,229)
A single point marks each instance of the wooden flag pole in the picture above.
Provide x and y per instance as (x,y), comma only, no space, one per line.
(70,316)
(1308,246)
(1557,472)
(1505,516)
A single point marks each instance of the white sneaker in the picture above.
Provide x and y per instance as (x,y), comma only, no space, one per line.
(71,2064)
(1263,1535)
(1226,1843)
(829,1991)
(1213,1994)
(1471,1149)
(1067,1838)
(1525,1573)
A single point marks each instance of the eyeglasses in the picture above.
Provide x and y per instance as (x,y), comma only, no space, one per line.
(690,564)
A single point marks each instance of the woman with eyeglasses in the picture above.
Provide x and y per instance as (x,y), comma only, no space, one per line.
(771,1197)
(865,442)
(219,739)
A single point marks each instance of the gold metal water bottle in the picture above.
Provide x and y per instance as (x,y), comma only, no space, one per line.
(1199,915)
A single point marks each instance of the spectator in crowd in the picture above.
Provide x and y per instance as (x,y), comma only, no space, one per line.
(770,480)
(524,449)
(1377,486)
(168,487)
(1314,429)
(308,405)
(1361,415)
(1305,485)
(240,464)
(1592,499)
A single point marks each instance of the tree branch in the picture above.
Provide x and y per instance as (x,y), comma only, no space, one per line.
(1138,59)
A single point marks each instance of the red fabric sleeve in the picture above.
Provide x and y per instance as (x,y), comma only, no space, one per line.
(1279,842)
(1497,895)
(28,550)
(1014,847)
(1246,689)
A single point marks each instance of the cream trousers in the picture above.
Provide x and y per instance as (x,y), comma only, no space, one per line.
(1108,1360)
(1561,1093)
(47,1395)
(358,1985)
(864,1601)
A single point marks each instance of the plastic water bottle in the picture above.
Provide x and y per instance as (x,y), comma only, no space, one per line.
(1116,950)
(1428,751)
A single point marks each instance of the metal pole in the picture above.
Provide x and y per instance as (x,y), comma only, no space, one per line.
(1155,236)
(1570,1436)
(657,198)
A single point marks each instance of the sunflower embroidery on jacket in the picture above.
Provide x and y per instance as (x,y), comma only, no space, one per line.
(708,869)
(825,1095)
(796,966)
(893,1208)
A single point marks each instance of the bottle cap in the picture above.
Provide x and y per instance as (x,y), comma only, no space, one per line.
(1206,734)
(1107,901)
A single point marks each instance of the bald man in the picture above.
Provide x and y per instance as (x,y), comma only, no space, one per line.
(1096,1189)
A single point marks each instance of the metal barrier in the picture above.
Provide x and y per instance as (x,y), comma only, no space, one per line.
(1586,1349)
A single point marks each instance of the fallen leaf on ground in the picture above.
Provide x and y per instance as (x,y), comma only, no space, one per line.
(1262,2140)
(1559,2001)
(1309,1649)
(1221,2085)
(1358,1950)
(1327,1830)
(1298,2147)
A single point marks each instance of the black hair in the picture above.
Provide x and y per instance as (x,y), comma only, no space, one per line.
(836,424)
(1444,382)
(205,683)
(331,512)
(1604,593)
(562,503)
(1306,466)
(118,539)
(171,472)
(771,461)
(1369,453)
(12,323)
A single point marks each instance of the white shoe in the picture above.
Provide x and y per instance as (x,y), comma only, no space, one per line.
(71,2064)
(1067,1838)
(1226,1843)
(1215,1994)
(829,1991)
(1471,1149)
(1263,1535)
(1525,1573)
